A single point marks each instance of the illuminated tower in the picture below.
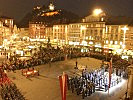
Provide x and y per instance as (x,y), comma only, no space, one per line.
(51,5)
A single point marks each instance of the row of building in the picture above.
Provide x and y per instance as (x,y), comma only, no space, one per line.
(97,29)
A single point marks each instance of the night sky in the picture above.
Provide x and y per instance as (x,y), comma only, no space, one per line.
(18,8)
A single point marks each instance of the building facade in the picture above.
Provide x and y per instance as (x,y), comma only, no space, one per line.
(37,30)
(8,22)
(6,28)
(94,31)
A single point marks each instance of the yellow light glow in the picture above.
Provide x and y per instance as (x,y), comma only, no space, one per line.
(123,46)
(107,41)
(50,13)
(90,42)
(5,21)
(124,28)
(116,42)
(56,27)
(86,37)
(111,42)
(51,7)
(97,12)
(83,27)
(120,43)
(98,46)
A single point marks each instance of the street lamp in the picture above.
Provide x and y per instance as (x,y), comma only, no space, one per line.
(124,29)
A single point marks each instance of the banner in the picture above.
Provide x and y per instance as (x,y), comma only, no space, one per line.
(63,85)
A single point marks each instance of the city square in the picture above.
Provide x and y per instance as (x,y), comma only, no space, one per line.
(66,50)
(46,86)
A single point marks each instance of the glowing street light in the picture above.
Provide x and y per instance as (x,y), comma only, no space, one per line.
(96,12)
(124,29)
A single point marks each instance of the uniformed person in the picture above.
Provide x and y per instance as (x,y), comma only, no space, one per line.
(83,94)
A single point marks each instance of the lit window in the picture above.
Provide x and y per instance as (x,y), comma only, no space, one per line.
(86,37)
(120,43)
(111,42)
(10,21)
(5,21)
(116,42)
(107,41)
(90,37)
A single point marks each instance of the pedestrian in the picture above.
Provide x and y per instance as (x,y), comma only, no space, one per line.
(83,94)
(93,87)
(72,88)
(68,84)
(106,87)
(86,94)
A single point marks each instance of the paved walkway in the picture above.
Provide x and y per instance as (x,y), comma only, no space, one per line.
(46,86)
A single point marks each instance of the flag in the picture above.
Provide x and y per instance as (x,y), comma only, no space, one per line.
(110,72)
(63,85)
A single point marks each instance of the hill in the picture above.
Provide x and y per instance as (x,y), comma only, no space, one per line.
(47,16)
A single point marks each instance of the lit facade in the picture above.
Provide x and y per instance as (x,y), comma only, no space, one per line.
(6,28)
(93,31)
(1,32)
(49,33)
(24,32)
(114,36)
(74,34)
(57,34)
(8,22)
(37,30)
(129,38)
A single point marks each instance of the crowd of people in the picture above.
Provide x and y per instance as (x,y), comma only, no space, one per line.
(89,82)
(11,92)
(50,54)
(42,56)
(81,85)
(86,84)
(8,89)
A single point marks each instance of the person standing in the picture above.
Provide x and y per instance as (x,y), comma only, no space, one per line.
(72,88)
(68,83)
(83,94)
(76,67)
